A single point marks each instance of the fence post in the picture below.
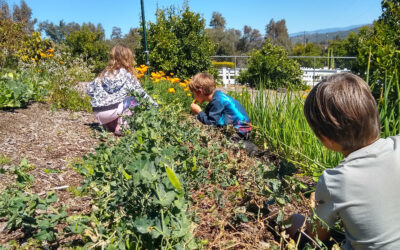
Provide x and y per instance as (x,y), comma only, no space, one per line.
(313,76)
(223,76)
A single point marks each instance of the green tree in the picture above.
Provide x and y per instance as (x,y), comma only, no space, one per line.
(178,43)
(311,49)
(225,41)
(4,10)
(58,33)
(383,42)
(12,35)
(251,39)
(132,39)
(217,21)
(278,33)
(89,43)
(23,14)
(116,33)
(271,67)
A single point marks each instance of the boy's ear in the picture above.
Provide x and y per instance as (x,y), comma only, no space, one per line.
(327,142)
(331,144)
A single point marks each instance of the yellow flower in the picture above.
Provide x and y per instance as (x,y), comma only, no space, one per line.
(194,100)
(155,75)
(61,62)
(188,94)
(43,55)
(171,74)
(50,55)
(303,96)
(187,89)
(171,90)
(182,85)
(50,50)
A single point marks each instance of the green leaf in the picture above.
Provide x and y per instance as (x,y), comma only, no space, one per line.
(143,225)
(126,175)
(173,178)
(51,197)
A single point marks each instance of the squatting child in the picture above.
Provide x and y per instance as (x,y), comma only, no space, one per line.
(221,109)
(110,90)
(363,190)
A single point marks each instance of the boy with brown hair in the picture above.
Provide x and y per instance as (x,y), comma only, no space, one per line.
(221,109)
(363,190)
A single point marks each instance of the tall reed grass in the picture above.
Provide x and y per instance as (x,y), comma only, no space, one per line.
(280,124)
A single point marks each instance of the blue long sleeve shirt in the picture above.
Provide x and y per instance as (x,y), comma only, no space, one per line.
(223,110)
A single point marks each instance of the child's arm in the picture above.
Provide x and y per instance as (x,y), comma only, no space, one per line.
(134,85)
(196,109)
(298,221)
(213,115)
(322,232)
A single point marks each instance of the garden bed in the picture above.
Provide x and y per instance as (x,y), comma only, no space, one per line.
(50,141)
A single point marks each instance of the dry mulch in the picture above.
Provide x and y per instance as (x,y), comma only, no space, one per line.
(50,140)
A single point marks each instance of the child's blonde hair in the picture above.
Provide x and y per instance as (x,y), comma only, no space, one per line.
(343,109)
(202,81)
(120,57)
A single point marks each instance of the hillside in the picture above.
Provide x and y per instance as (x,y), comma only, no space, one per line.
(324,35)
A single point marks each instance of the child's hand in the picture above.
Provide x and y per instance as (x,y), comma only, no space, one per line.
(312,200)
(195,108)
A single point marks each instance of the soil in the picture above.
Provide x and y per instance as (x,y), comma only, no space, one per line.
(51,141)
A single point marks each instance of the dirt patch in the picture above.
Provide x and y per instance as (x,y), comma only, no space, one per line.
(51,141)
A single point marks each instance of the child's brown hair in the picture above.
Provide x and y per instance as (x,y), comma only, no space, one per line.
(120,57)
(343,109)
(202,81)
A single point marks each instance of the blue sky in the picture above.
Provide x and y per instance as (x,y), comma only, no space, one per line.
(300,15)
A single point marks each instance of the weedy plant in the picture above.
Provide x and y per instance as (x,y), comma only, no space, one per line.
(35,216)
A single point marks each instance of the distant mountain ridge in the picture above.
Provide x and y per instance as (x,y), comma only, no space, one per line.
(328,30)
(324,35)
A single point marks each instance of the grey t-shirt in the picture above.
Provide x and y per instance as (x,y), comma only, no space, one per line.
(364,191)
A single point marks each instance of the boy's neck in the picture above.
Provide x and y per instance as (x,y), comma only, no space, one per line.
(210,96)
(346,153)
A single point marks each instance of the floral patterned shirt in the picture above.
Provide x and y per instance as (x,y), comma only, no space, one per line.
(113,88)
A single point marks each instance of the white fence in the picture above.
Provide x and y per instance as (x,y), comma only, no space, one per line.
(310,76)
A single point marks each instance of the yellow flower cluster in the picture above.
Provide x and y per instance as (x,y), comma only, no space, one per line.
(141,70)
(49,53)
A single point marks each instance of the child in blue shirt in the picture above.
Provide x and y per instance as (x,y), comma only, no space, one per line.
(221,109)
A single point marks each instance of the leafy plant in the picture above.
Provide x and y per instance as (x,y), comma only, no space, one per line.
(178,43)
(29,212)
(271,67)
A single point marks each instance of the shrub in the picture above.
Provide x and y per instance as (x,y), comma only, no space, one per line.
(271,67)
(178,43)
(89,44)
(34,48)
(11,37)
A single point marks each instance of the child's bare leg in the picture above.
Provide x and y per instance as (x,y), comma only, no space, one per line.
(111,125)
